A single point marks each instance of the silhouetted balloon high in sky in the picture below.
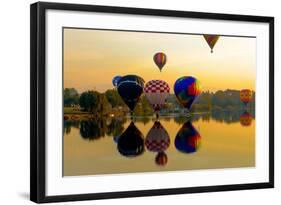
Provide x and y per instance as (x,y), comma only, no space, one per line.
(187,139)
(156,92)
(130,88)
(131,142)
(160,60)
(115,80)
(187,89)
(246,96)
(211,40)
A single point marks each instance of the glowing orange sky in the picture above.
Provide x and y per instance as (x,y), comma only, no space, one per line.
(93,57)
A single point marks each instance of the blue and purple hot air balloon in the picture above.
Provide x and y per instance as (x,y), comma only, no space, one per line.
(187,139)
(186,89)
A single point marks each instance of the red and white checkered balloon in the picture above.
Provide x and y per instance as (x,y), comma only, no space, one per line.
(156,91)
(157,139)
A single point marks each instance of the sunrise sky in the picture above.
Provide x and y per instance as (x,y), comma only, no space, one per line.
(93,57)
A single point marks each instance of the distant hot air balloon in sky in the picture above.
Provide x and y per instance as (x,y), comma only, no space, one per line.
(115,80)
(246,96)
(130,88)
(160,60)
(211,40)
(157,139)
(186,89)
(131,142)
(246,119)
(187,139)
(156,92)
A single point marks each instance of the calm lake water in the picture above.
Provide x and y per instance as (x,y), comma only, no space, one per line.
(206,141)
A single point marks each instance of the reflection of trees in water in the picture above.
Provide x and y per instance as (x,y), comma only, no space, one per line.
(116,127)
(166,118)
(181,119)
(70,123)
(144,119)
(95,129)
(219,116)
(229,116)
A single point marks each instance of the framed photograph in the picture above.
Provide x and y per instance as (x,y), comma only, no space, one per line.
(129,102)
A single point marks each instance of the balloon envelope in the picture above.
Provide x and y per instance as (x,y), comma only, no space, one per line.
(130,88)
(161,159)
(131,142)
(156,92)
(157,139)
(187,139)
(211,40)
(115,80)
(246,96)
(160,60)
(246,119)
(186,89)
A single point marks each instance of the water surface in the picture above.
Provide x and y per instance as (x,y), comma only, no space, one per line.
(207,141)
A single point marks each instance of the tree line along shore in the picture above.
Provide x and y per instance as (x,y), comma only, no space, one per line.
(93,104)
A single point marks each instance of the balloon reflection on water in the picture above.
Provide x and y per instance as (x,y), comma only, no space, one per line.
(158,140)
(131,142)
(187,139)
(246,119)
(161,158)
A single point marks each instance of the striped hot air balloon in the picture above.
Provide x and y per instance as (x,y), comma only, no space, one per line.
(187,139)
(246,119)
(246,96)
(187,89)
(160,60)
(161,159)
(156,92)
(211,40)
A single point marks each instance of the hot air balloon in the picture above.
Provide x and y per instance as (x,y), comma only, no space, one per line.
(115,80)
(160,60)
(211,40)
(131,142)
(161,159)
(186,89)
(116,138)
(246,119)
(187,139)
(157,139)
(156,92)
(246,96)
(130,88)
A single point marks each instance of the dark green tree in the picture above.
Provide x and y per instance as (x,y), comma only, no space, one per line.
(70,97)
(114,98)
(89,100)
(103,106)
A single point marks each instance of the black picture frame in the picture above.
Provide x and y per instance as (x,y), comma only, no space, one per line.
(38,100)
